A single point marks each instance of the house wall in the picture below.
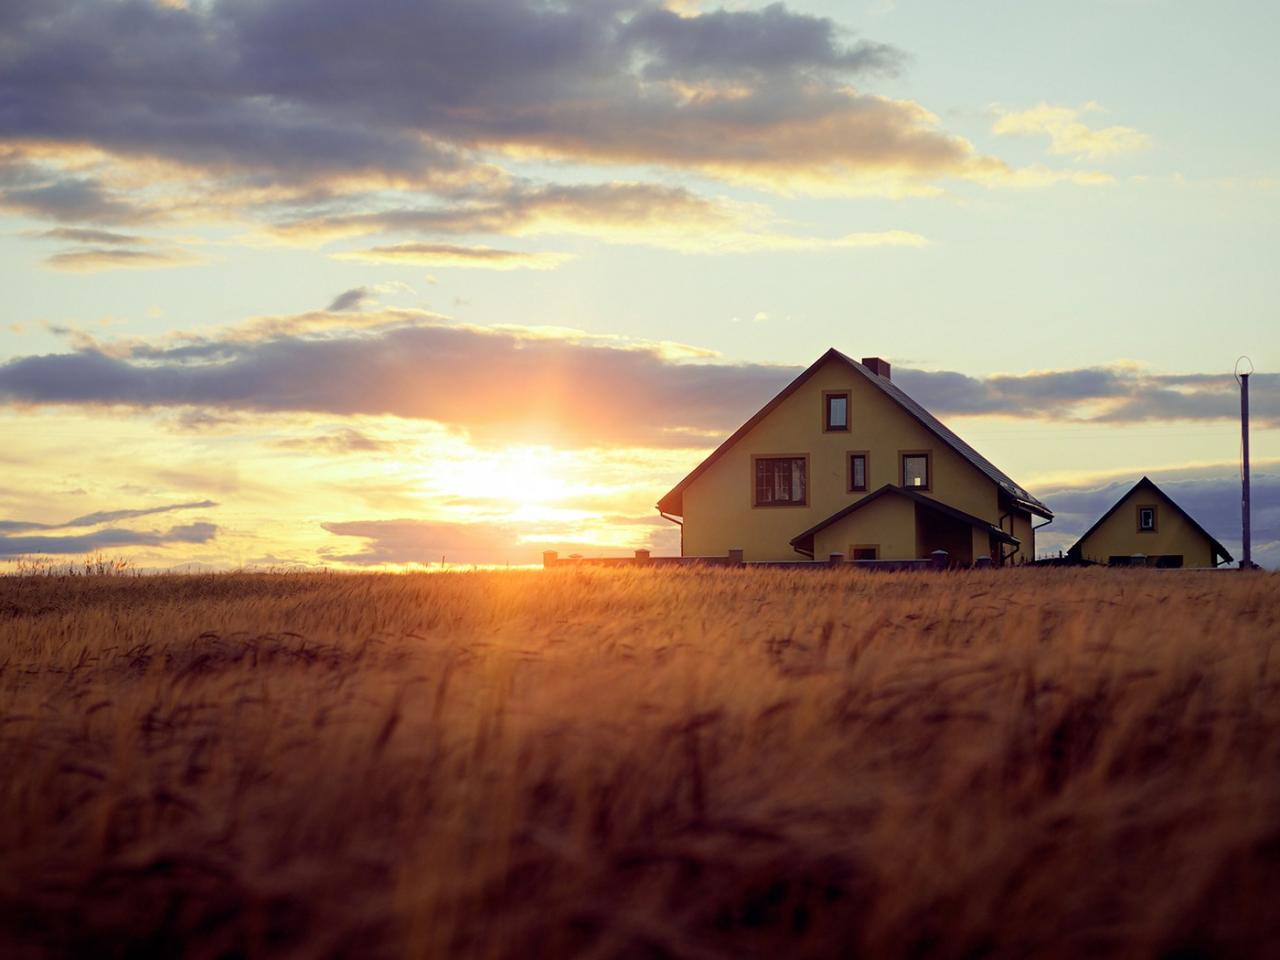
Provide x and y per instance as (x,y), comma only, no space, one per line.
(718,511)
(888,523)
(1119,535)
(982,544)
(1021,527)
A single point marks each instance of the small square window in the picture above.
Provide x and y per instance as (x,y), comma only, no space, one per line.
(857,472)
(835,411)
(866,553)
(1146,519)
(915,470)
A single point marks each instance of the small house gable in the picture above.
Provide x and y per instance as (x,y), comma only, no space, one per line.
(1147,526)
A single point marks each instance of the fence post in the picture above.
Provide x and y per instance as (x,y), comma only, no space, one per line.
(735,556)
(642,556)
(549,558)
(836,559)
(939,559)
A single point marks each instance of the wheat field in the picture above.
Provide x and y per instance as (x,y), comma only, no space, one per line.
(634,762)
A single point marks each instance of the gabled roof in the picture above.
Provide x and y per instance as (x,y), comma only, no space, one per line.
(1146,483)
(672,502)
(890,489)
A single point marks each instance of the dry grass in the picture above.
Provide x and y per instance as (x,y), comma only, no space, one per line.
(641,763)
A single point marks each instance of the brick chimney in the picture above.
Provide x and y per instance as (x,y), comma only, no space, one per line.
(877,366)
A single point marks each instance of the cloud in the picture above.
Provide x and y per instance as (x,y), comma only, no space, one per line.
(734,43)
(552,385)
(1111,394)
(1210,495)
(109,539)
(671,218)
(111,258)
(341,442)
(453,255)
(506,383)
(523,209)
(229,107)
(72,201)
(354,299)
(105,516)
(106,250)
(1068,134)
(91,237)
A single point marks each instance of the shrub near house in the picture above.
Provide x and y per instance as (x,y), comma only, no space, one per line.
(844,461)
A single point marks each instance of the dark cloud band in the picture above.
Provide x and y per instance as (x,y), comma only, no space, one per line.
(514,384)
(109,539)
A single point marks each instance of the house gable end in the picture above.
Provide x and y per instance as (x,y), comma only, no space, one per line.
(673,502)
(1145,489)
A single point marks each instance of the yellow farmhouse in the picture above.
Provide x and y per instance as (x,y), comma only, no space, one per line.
(842,461)
(1146,527)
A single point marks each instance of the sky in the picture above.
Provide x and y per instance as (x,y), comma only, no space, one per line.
(377,285)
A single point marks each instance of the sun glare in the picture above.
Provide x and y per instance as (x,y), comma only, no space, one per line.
(516,478)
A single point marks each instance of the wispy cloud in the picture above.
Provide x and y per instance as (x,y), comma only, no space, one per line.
(354,299)
(1068,132)
(91,237)
(454,255)
(113,258)
(600,209)
(101,517)
(346,440)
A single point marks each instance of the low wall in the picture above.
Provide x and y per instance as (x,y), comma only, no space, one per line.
(938,560)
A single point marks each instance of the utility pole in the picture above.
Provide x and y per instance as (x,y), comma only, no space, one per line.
(1246,562)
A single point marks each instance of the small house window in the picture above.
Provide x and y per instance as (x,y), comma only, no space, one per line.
(1146,519)
(835,411)
(865,553)
(857,472)
(915,470)
(781,481)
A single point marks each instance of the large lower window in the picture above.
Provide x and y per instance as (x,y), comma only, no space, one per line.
(781,481)
(915,470)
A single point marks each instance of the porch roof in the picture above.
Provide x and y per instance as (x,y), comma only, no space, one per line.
(804,541)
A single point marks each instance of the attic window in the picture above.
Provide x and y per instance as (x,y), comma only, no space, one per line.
(1146,519)
(781,481)
(915,470)
(835,407)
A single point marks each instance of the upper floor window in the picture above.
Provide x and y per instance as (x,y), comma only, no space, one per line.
(835,407)
(915,470)
(857,472)
(1146,519)
(781,481)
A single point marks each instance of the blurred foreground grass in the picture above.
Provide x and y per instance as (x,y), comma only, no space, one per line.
(649,763)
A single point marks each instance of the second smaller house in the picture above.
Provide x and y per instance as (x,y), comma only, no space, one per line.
(1146,527)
